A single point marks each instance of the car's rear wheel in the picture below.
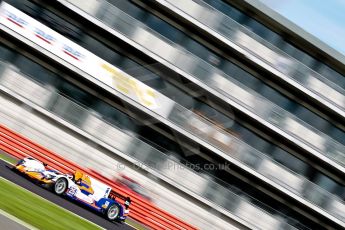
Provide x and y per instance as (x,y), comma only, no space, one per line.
(60,186)
(113,212)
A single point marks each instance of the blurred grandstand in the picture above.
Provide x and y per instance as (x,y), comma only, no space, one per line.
(219,112)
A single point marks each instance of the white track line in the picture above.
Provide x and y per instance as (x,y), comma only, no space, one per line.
(15,219)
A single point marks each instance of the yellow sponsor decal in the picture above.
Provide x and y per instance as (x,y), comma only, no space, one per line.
(126,85)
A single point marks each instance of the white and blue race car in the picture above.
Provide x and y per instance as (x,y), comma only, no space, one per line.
(78,187)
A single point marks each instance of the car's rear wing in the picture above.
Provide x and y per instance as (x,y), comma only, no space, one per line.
(126,199)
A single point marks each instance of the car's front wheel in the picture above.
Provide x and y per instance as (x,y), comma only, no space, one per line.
(60,186)
(113,212)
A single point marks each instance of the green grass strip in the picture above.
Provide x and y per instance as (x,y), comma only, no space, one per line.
(7,158)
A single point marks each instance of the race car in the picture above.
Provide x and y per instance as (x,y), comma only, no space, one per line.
(78,187)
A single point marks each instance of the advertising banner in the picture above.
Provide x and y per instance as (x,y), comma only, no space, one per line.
(84,60)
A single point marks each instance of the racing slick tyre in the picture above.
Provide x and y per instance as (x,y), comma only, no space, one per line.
(113,212)
(60,186)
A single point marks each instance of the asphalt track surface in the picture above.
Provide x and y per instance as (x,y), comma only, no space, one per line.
(6,173)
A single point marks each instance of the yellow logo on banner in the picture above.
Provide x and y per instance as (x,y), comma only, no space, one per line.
(126,84)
